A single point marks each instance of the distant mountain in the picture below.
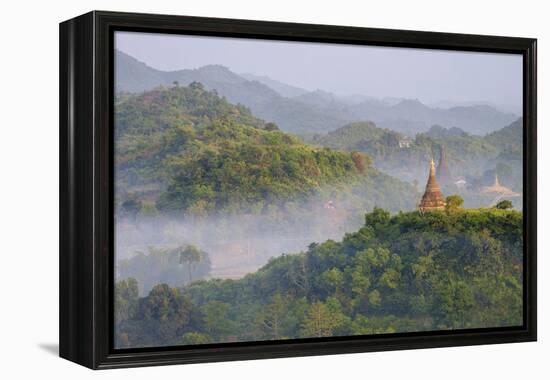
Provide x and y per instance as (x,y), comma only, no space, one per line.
(132,75)
(506,108)
(320,98)
(135,76)
(357,98)
(281,88)
(308,113)
(411,116)
(292,116)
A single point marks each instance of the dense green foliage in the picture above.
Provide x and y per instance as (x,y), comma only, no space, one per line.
(186,151)
(504,205)
(408,272)
(453,202)
(362,136)
(148,126)
(439,132)
(509,137)
(232,167)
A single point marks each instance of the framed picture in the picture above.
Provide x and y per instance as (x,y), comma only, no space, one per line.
(237,189)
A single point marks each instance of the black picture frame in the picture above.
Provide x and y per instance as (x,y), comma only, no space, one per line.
(86,188)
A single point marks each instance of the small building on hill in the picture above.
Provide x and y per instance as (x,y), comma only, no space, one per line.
(405,142)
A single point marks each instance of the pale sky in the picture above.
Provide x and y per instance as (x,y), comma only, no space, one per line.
(427,75)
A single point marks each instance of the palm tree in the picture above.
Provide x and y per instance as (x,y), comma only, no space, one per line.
(190,255)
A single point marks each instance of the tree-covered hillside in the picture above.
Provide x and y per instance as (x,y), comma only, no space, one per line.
(361,136)
(186,150)
(384,144)
(474,158)
(509,137)
(408,272)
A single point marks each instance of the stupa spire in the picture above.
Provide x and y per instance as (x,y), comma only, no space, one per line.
(432,198)
(432,168)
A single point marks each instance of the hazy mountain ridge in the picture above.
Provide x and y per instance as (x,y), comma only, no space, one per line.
(310,112)
(281,88)
(506,108)
(292,116)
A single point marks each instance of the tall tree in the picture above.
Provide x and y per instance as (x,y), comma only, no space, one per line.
(453,203)
(270,321)
(320,321)
(190,255)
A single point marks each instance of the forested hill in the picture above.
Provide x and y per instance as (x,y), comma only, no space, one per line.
(474,157)
(381,142)
(154,126)
(363,136)
(509,137)
(187,150)
(459,269)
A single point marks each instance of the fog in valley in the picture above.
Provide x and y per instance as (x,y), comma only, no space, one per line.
(240,243)
(235,245)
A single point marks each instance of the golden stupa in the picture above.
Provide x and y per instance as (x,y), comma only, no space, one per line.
(432,198)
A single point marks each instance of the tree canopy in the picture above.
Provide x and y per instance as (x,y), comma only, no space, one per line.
(407,272)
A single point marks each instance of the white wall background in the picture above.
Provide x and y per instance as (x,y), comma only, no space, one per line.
(29,187)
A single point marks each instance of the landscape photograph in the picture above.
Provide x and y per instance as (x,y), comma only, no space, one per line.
(275,190)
